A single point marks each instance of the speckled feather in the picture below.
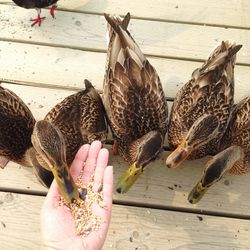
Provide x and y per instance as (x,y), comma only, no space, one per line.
(210,91)
(238,133)
(133,94)
(16,126)
(81,119)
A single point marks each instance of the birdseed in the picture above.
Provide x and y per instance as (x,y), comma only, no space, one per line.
(85,220)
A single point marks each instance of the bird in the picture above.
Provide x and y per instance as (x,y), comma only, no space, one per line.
(49,145)
(37,4)
(234,155)
(134,101)
(201,108)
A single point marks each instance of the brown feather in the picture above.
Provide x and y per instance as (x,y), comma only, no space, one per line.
(133,96)
(238,133)
(80,118)
(210,91)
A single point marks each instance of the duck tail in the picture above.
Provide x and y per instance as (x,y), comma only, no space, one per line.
(87,84)
(222,55)
(231,47)
(116,25)
(115,21)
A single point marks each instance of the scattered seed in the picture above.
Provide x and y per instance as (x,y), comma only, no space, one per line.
(85,220)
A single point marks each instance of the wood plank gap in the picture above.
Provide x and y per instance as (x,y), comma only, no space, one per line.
(181,209)
(23,191)
(95,50)
(143,205)
(148,18)
(51,86)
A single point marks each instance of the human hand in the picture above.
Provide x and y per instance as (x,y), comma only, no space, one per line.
(57,224)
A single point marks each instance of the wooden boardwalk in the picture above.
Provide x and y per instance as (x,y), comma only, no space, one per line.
(45,64)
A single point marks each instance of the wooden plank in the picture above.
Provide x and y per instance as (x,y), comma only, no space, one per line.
(39,100)
(131,228)
(157,187)
(233,13)
(75,30)
(70,67)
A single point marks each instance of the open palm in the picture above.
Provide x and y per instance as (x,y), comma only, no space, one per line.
(57,224)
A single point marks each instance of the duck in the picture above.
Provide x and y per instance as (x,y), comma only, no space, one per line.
(201,108)
(49,145)
(134,101)
(234,155)
(37,4)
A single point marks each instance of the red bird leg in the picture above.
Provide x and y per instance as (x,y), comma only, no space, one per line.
(52,10)
(37,20)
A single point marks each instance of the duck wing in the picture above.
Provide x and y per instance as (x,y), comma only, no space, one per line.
(81,119)
(16,126)
(210,91)
(133,94)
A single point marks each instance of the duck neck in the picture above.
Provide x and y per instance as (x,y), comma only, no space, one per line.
(146,148)
(33,159)
(202,131)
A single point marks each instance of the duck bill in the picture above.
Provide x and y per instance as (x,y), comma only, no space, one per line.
(67,187)
(178,155)
(197,193)
(129,178)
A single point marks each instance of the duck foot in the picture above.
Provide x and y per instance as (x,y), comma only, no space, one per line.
(37,20)
(52,10)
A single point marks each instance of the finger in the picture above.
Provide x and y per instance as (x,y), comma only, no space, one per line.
(105,213)
(101,164)
(79,161)
(53,196)
(90,164)
(108,189)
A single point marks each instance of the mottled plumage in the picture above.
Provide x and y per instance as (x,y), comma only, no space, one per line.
(78,119)
(133,97)
(234,155)
(210,92)
(238,133)
(16,126)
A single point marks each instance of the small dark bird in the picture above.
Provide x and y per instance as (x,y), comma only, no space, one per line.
(37,4)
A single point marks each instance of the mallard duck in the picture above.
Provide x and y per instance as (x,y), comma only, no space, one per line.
(37,4)
(134,101)
(50,145)
(235,155)
(201,109)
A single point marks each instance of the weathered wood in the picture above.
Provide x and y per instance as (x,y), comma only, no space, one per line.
(75,30)
(157,187)
(64,51)
(131,227)
(68,68)
(39,100)
(227,13)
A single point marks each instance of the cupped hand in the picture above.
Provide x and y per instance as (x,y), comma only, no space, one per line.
(57,224)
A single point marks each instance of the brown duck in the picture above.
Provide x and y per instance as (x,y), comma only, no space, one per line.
(235,152)
(201,109)
(50,145)
(134,101)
